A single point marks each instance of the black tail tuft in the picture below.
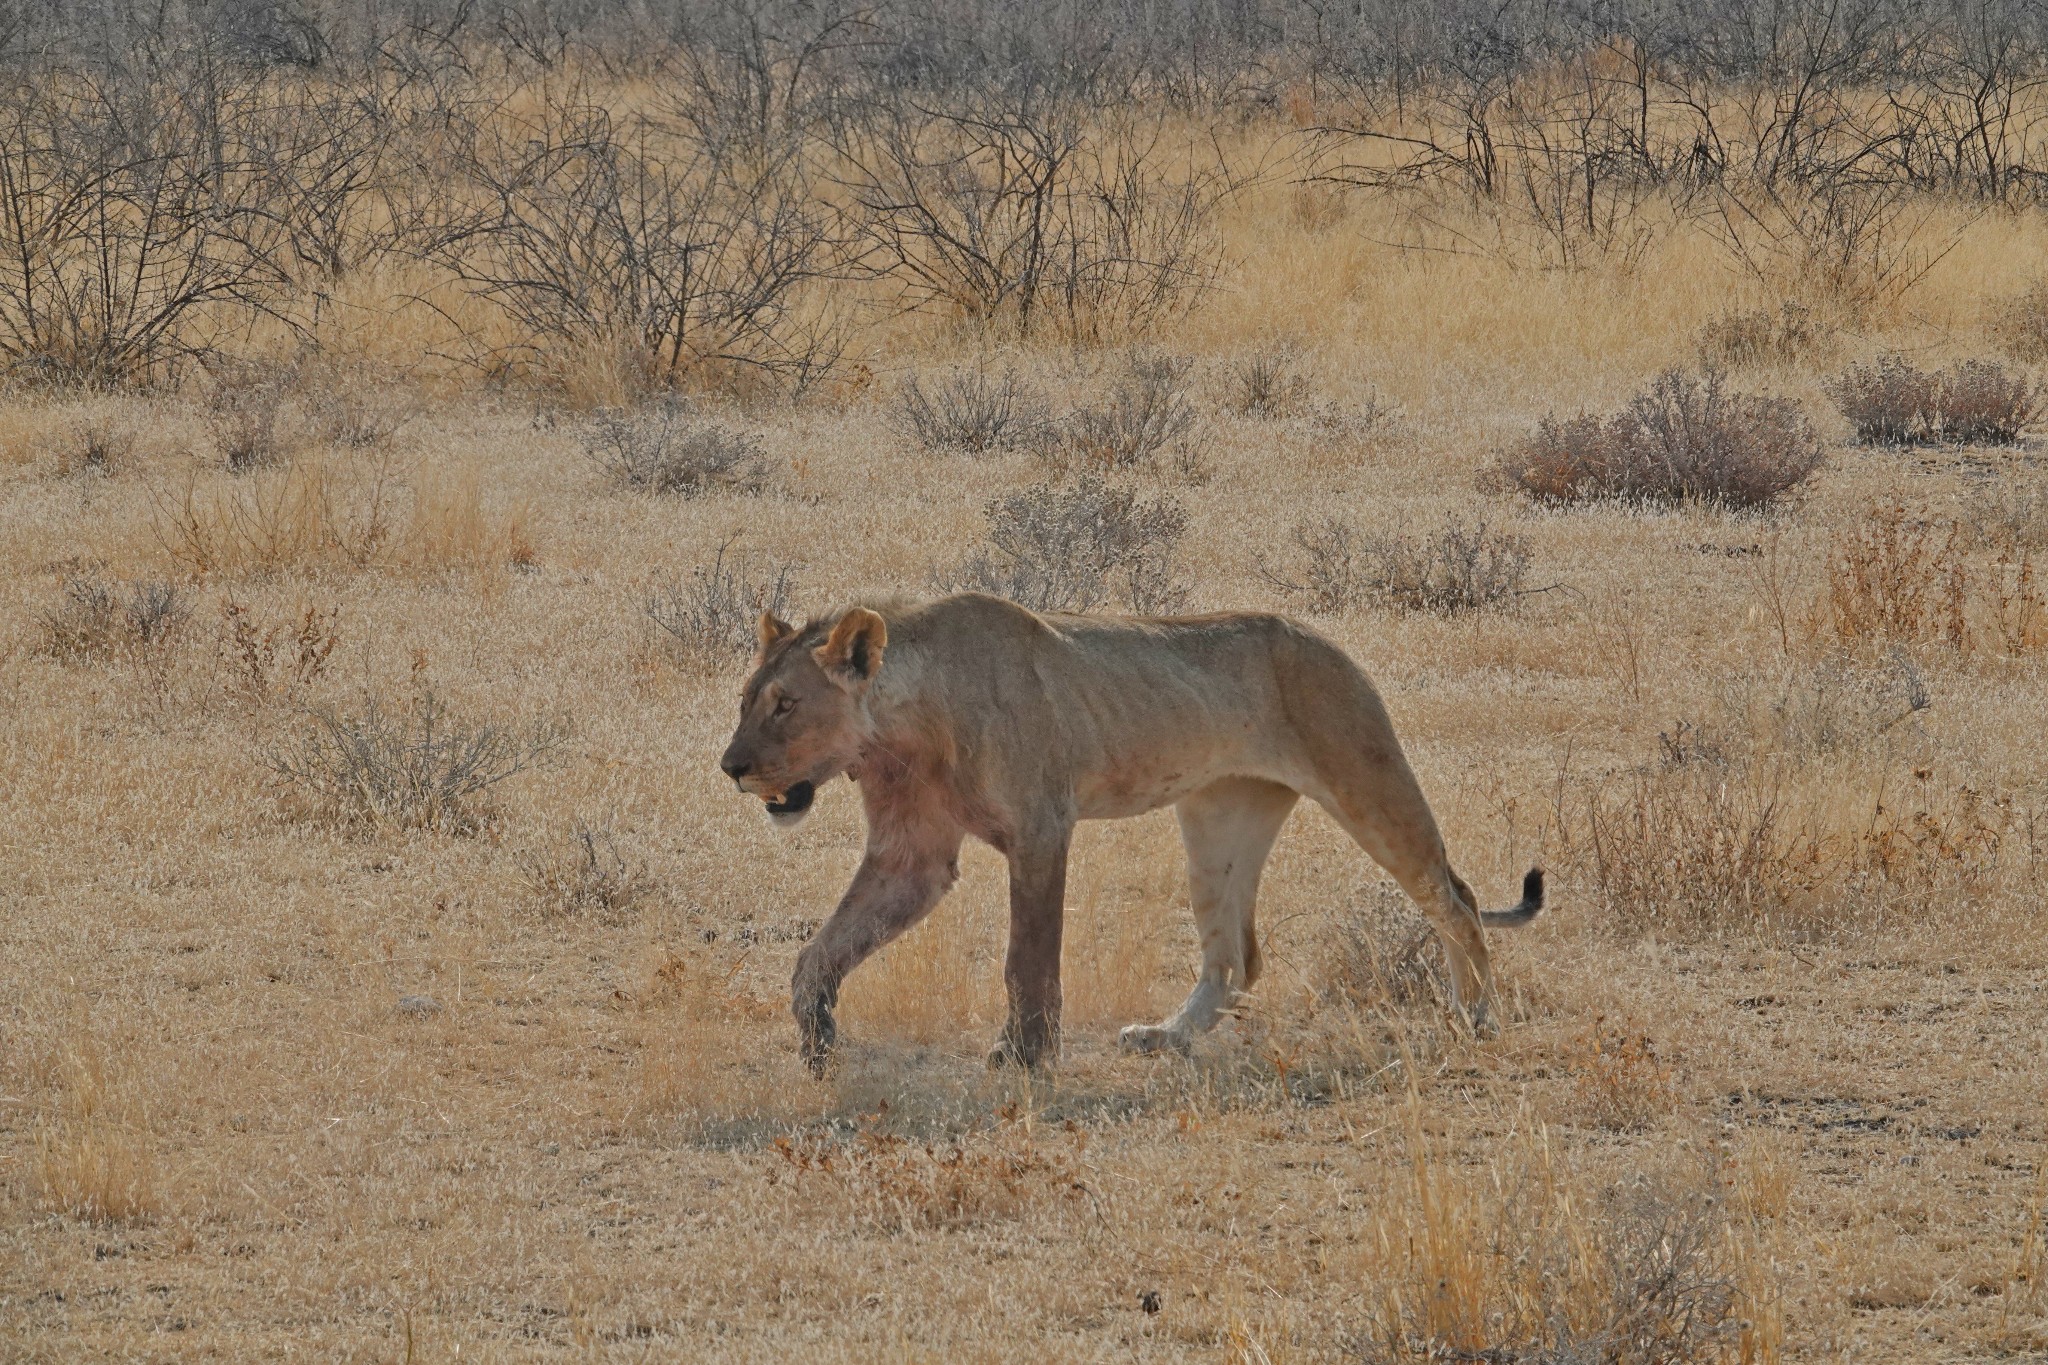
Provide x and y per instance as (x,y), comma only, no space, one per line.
(1530,908)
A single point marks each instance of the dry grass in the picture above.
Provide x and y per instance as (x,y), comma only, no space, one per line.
(1768,1088)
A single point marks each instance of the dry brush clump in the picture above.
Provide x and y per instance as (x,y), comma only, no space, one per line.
(1079,546)
(1892,402)
(584,873)
(1273,382)
(1459,568)
(1896,579)
(709,616)
(415,768)
(903,1184)
(97,619)
(96,1155)
(669,449)
(275,660)
(973,411)
(1147,409)
(1685,439)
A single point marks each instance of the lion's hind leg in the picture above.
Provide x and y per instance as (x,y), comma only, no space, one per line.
(1228,829)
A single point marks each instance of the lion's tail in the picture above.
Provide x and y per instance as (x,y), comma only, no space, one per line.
(1531,905)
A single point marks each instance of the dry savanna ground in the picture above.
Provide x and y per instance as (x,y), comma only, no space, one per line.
(300,1060)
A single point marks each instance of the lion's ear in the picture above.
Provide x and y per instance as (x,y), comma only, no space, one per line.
(852,654)
(771,630)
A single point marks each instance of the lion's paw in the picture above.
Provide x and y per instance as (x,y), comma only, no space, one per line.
(1145,1038)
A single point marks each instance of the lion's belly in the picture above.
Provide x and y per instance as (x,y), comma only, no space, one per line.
(1132,784)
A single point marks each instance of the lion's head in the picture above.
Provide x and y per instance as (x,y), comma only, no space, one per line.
(800,713)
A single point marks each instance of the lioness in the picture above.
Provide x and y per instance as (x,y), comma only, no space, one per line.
(971,715)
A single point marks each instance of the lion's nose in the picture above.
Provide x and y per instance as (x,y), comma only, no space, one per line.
(735,768)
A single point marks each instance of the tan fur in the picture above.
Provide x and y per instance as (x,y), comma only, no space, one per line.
(991,721)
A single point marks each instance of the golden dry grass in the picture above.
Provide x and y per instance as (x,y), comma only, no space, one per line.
(221,1132)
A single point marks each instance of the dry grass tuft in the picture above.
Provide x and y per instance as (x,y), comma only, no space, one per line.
(1685,439)
(1273,382)
(903,1185)
(1785,335)
(96,1157)
(1518,1260)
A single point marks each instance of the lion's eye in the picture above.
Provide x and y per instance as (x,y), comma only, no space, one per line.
(785,705)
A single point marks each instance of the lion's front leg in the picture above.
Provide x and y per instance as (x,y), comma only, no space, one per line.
(898,883)
(1031,970)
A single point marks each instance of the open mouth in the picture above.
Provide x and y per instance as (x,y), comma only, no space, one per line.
(795,801)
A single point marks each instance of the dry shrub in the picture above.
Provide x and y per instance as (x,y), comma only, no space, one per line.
(1146,409)
(1618,1080)
(584,873)
(902,1185)
(1896,579)
(668,449)
(1079,546)
(416,769)
(1761,336)
(973,411)
(1273,382)
(1685,439)
(1973,402)
(710,617)
(1890,578)
(1520,1261)
(96,1154)
(1456,569)
(279,660)
(101,620)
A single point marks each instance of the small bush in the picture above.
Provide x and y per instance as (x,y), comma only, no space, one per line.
(1759,337)
(1892,402)
(97,619)
(972,411)
(589,874)
(1268,383)
(1981,402)
(1457,569)
(1077,547)
(711,615)
(1146,409)
(669,450)
(415,770)
(1685,439)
